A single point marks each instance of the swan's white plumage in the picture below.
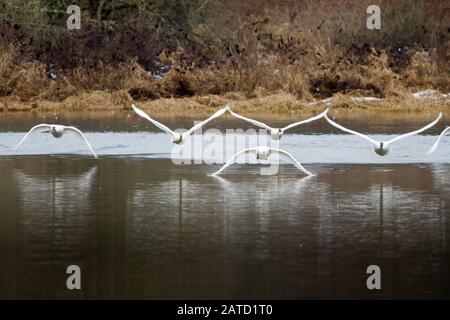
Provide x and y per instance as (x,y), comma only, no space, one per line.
(176,136)
(433,148)
(428,126)
(337,125)
(266,151)
(321,115)
(291,157)
(40,127)
(156,123)
(80,134)
(276,133)
(252,121)
(201,124)
(57,131)
(381,148)
(230,162)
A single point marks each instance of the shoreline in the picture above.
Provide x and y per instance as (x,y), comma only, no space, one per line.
(278,105)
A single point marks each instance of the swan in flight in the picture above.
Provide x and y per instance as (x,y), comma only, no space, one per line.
(263,153)
(433,148)
(277,133)
(57,131)
(382,148)
(178,137)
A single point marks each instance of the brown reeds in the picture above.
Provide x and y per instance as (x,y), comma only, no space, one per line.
(271,55)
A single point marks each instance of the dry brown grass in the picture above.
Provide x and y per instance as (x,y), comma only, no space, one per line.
(272,58)
(20,78)
(25,86)
(271,86)
(278,105)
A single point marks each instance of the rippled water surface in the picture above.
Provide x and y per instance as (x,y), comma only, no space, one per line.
(140,226)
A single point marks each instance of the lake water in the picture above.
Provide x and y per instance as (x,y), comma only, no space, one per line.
(141,226)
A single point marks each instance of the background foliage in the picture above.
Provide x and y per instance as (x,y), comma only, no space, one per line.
(163,48)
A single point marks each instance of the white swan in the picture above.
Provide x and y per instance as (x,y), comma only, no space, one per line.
(263,153)
(178,137)
(277,133)
(382,148)
(57,131)
(433,148)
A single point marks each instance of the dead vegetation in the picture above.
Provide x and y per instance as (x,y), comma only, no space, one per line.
(275,57)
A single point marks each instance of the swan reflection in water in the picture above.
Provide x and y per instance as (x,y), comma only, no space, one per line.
(53,202)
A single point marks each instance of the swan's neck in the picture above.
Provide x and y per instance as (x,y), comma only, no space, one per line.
(276,134)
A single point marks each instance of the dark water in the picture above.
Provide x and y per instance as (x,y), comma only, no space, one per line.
(143,227)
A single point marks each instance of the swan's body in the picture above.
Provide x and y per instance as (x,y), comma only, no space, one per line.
(178,137)
(382,148)
(57,131)
(433,148)
(277,133)
(263,153)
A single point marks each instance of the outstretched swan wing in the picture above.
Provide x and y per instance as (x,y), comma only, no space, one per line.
(350,131)
(428,126)
(296,163)
(231,161)
(255,122)
(39,128)
(433,148)
(82,136)
(306,121)
(201,124)
(156,123)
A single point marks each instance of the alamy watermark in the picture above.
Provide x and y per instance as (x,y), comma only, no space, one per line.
(374,20)
(74,20)
(214,147)
(374,280)
(74,280)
